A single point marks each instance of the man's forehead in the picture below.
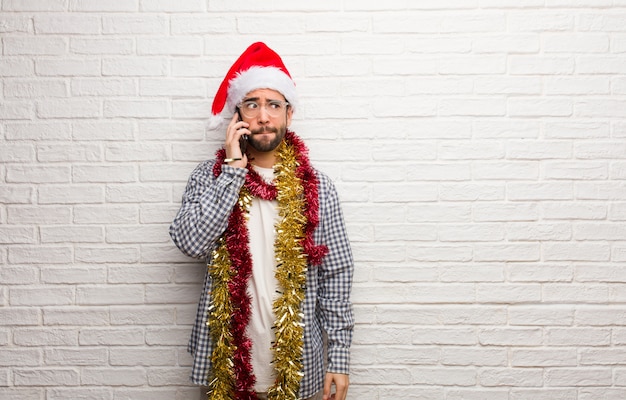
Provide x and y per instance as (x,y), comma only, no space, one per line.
(264,94)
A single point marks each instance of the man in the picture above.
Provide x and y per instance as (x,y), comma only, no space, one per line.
(279,261)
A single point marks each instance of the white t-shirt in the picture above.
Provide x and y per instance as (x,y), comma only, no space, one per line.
(262,286)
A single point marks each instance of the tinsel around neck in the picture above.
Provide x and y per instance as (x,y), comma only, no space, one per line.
(296,191)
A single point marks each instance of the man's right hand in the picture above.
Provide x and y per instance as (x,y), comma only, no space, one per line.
(234,131)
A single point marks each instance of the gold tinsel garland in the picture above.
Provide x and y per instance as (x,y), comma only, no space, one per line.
(291,276)
(290,273)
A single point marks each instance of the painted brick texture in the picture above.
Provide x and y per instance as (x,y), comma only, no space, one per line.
(479,149)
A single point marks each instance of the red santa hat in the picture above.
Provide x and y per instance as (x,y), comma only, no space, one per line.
(259,67)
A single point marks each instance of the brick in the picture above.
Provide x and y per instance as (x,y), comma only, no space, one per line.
(400,274)
(113,377)
(83,356)
(67,24)
(107,254)
(200,67)
(142,315)
(170,294)
(605,393)
(473,65)
(34,337)
(441,376)
(521,43)
(518,377)
(19,275)
(81,392)
(103,87)
(601,64)
(126,152)
(578,337)
(174,131)
(110,294)
(544,358)
(101,46)
(576,251)
(16,110)
(539,107)
(46,377)
(90,173)
(40,255)
(13,23)
(137,234)
(17,153)
(578,377)
(162,172)
(109,6)
(473,232)
(111,337)
(599,316)
(402,193)
(540,273)
(151,357)
(201,24)
(105,131)
(108,214)
(35,88)
(541,65)
(38,131)
(139,24)
(175,46)
(526,85)
(21,357)
(532,21)
(34,5)
(76,316)
(13,393)
(172,5)
(167,336)
(475,394)
(16,67)
(137,193)
(474,356)
(544,394)
(68,109)
(73,275)
(52,296)
(134,66)
(35,46)
(136,108)
(541,315)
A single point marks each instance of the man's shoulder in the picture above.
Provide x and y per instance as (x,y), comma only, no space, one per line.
(204,167)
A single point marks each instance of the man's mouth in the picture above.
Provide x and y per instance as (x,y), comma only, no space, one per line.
(265,129)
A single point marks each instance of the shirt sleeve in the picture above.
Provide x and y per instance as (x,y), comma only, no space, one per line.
(335,275)
(206,205)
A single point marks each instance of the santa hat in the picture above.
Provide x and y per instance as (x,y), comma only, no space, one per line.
(259,67)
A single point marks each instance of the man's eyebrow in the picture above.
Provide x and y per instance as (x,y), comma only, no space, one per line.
(257,99)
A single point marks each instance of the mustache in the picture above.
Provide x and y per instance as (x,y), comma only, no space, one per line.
(265,129)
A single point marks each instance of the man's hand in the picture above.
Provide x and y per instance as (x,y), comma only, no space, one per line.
(341,382)
(234,131)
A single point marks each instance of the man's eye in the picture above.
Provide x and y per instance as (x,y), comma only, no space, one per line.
(251,105)
(275,105)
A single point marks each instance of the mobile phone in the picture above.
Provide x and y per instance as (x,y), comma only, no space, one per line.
(243,140)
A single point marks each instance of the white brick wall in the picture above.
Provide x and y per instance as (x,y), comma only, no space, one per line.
(478,147)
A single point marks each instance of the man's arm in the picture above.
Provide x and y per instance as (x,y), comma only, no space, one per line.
(206,206)
(335,288)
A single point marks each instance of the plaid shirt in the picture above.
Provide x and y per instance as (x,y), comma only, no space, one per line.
(201,220)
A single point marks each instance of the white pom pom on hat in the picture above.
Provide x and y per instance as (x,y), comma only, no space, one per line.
(258,67)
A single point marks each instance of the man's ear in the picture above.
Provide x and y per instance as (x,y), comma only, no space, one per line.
(289,115)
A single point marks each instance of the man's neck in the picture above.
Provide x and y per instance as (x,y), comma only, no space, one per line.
(263,159)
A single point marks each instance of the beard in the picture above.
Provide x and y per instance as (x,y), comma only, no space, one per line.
(267,145)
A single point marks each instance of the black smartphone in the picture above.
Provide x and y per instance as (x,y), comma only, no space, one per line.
(243,140)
